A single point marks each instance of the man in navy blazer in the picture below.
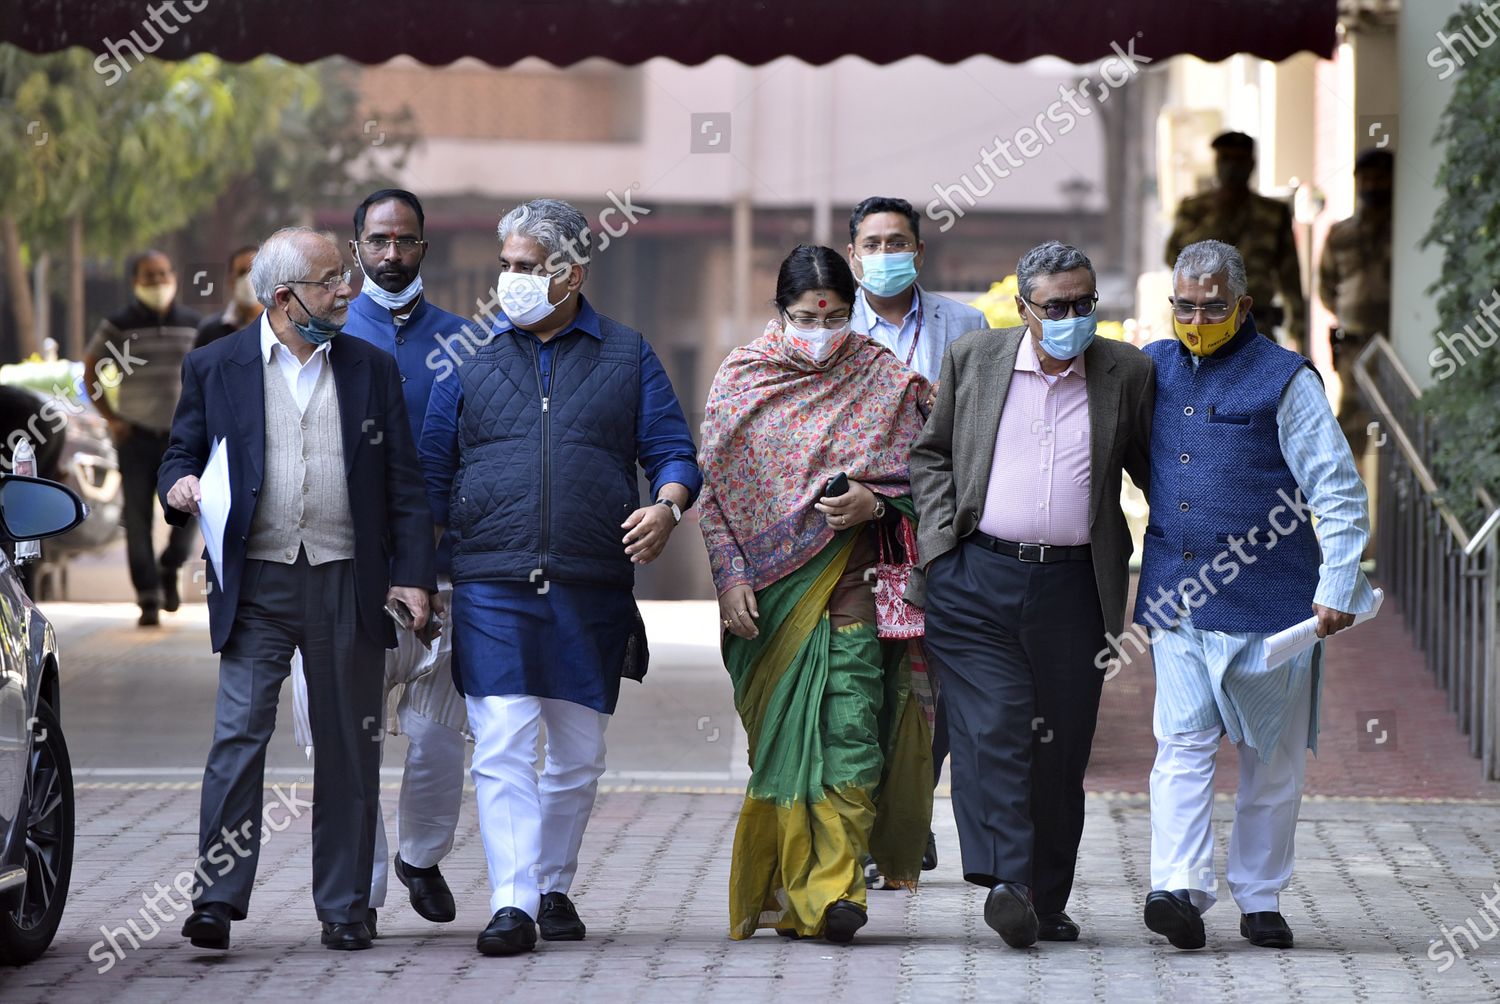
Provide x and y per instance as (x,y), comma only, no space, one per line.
(328,524)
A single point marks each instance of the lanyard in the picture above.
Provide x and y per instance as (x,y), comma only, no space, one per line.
(916,336)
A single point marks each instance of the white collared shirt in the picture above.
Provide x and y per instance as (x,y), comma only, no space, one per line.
(300,377)
(898,338)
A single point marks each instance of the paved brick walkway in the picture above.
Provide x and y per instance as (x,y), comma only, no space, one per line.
(1375,883)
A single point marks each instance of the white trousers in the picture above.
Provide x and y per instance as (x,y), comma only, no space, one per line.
(1261,845)
(432,789)
(533,826)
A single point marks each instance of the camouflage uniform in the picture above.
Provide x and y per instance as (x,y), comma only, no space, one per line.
(1354,282)
(1261,229)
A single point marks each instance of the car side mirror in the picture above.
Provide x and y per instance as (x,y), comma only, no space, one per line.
(32,508)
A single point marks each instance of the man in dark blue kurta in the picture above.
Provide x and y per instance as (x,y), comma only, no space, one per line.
(392,314)
(530,450)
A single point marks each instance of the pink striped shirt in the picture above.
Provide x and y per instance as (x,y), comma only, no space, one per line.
(1039,479)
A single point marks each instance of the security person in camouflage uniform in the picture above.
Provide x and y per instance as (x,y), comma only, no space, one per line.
(1354,282)
(1260,227)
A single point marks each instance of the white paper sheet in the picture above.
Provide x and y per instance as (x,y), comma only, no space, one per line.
(1288,644)
(213,505)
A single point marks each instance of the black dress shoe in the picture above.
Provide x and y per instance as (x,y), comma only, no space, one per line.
(1056,927)
(1009,913)
(430,895)
(346,937)
(842,919)
(208,926)
(929,856)
(1174,917)
(559,919)
(370,925)
(149,617)
(511,932)
(1267,929)
(171,599)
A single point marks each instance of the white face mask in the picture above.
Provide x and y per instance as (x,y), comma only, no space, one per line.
(819,344)
(159,297)
(523,297)
(244,292)
(389,300)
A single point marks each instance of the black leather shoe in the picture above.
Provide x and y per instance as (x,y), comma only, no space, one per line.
(1009,913)
(208,926)
(430,895)
(149,617)
(1173,916)
(929,856)
(1056,927)
(171,599)
(511,932)
(1267,929)
(559,919)
(346,937)
(842,919)
(370,925)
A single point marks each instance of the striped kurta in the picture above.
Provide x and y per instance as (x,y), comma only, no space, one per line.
(1208,678)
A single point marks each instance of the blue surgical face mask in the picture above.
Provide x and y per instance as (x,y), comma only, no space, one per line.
(1068,337)
(316,330)
(888,274)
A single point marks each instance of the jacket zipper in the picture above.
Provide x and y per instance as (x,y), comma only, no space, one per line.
(543,392)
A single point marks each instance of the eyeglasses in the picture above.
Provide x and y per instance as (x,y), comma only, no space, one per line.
(1056,310)
(805,323)
(890,247)
(405,245)
(1185,310)
(331,283)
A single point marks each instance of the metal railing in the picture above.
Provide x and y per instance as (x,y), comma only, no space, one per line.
(1442,576)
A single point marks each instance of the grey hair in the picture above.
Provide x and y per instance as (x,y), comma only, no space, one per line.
(561,230)
(1209,258)
(1050,258)
(282,257)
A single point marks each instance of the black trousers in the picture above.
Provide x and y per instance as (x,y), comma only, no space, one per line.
(1016,644)
(312,608)
(140,456)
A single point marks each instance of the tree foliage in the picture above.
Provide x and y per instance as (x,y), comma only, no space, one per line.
(1465,402)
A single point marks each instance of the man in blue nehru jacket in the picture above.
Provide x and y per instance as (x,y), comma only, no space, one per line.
(1244,452)
(392,314)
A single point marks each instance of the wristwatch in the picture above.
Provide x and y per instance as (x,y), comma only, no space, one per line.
(676,509)
(879,508)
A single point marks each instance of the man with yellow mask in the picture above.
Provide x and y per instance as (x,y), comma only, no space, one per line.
(1244,452)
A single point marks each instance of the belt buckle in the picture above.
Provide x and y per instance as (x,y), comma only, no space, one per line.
(1032,552)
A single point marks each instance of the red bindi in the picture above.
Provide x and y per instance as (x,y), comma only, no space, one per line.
(822,303)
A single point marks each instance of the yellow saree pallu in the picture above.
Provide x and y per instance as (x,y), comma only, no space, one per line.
(840,755)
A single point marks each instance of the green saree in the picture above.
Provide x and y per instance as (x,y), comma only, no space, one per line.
(840,749)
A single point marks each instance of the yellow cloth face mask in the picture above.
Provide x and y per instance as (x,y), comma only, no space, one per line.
(1206,339)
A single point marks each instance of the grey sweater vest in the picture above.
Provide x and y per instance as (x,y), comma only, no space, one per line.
(304,496)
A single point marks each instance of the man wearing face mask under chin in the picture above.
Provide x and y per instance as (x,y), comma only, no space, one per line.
(530,449)
(1016,477)
(1260,227)
(145,343)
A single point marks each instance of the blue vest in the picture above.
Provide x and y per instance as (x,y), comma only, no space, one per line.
(1226,512)
(543,487)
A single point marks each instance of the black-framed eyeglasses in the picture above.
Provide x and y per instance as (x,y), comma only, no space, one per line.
(897,246)
(1186,310)
(405,245)
(1056,310)
(330,284)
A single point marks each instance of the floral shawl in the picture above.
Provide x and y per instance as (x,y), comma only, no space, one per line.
(777,428)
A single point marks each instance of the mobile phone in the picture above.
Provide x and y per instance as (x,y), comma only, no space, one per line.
(836,486)
(400,613)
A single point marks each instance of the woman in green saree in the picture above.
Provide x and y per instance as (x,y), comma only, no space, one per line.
(838,718)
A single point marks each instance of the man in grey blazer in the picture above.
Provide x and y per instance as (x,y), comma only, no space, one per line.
(1025,549)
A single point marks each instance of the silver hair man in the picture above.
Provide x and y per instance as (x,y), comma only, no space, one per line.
(282,258)
(557,226)
(1209,258)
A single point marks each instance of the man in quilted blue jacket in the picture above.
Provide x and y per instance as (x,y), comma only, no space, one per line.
(533,434)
